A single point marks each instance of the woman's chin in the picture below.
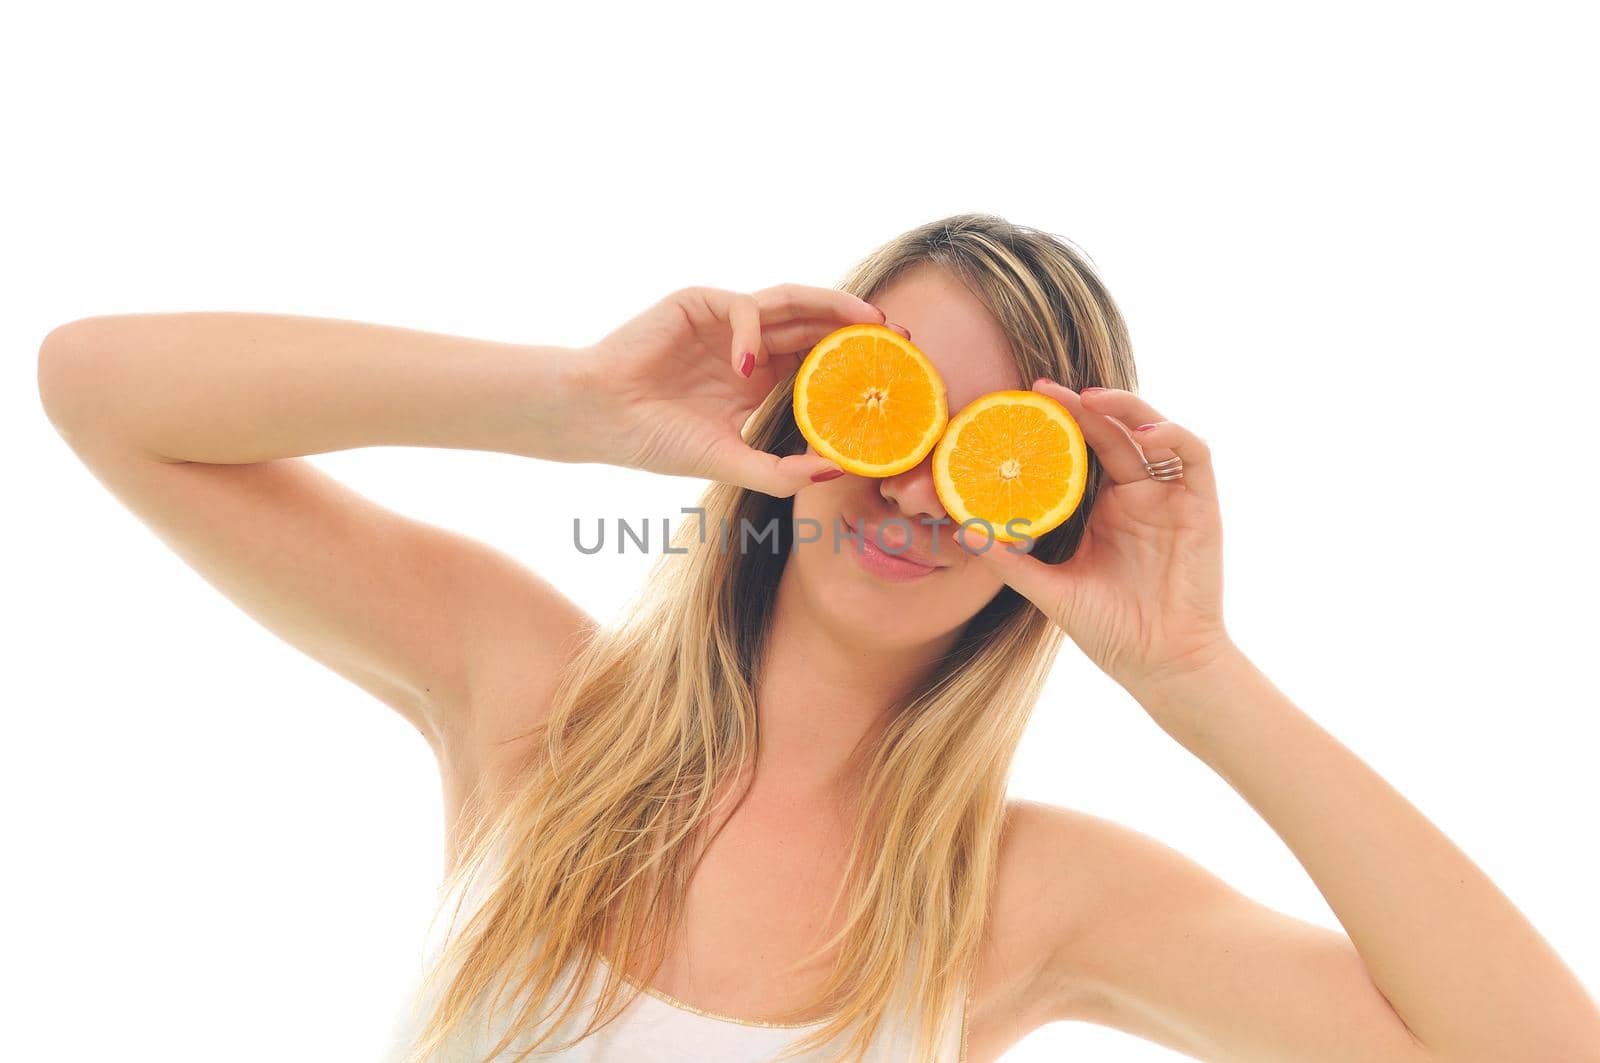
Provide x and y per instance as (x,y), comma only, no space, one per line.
(878,613)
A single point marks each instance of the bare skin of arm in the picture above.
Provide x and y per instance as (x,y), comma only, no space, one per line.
(199,423)
(1435,963)
(1439,964)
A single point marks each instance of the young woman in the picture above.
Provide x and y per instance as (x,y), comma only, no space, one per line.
(768,810)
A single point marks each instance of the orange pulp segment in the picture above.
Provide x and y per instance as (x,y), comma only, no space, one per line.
(869,401)
(1011,455)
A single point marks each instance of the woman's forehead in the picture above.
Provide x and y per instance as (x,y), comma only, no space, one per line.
(955,330)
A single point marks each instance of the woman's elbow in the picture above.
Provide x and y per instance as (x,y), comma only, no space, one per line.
(71,360)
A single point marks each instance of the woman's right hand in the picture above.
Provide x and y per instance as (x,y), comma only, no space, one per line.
(669,391)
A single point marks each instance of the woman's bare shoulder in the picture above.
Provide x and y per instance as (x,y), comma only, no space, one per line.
(1046,879)
(1061,867)
(1055,865)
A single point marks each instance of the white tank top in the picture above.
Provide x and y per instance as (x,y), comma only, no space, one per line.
(657,1028)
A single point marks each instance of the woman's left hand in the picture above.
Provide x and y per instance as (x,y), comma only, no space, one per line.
(1142,596)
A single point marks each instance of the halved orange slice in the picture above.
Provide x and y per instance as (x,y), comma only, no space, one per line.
(869,401)
(1012,455)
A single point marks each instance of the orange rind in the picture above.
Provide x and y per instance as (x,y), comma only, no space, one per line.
(1011,456)
(867,399)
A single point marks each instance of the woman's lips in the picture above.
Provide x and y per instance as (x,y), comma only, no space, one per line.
(879,562)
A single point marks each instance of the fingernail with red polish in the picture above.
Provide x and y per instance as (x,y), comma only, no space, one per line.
(747,362)
(1086,391)
(826,474)
(1147,427)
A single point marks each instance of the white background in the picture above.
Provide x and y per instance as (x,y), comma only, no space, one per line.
(1355,247)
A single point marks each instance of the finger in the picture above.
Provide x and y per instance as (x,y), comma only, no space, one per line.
(1113,445)
(1169,437)
(1045,585)
(796,338)
(788,344)
(770,474)
(724,307)
(789,302)
(1131,411)
(744,316)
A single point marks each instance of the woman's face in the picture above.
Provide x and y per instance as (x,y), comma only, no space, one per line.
(930,587)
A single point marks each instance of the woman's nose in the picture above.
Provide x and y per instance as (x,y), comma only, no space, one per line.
(913,491)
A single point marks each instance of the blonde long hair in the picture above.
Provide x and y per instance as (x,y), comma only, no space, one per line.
(656,714)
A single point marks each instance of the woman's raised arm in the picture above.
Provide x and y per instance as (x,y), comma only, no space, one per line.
(197,422)
(1436,963)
